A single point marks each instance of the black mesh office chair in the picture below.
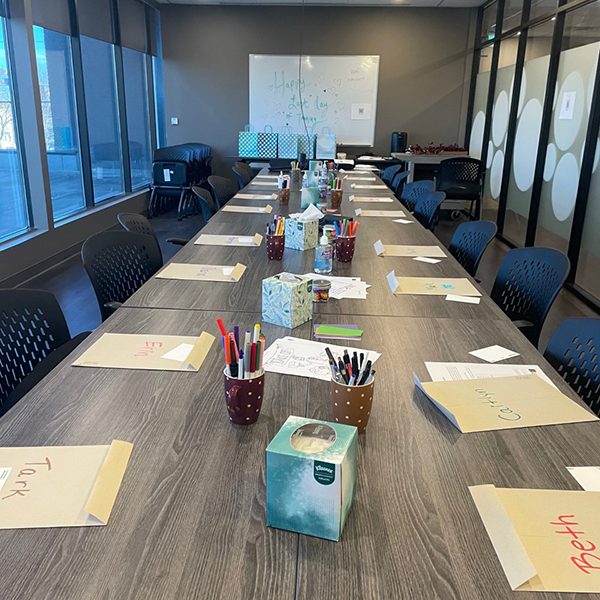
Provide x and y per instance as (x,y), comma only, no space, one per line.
(206,201)
(574,351)
(34,338)
(223,189)
(527,284)
(118,263)
(469,243)
(461,179)
(137,223)
(427,209)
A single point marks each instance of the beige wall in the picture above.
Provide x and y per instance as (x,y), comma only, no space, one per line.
(425,62)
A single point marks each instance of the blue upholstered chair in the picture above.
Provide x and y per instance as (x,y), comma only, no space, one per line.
(469,242)
(574,351)
(527,284)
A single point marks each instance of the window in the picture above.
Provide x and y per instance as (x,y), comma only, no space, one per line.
(488,23)
(14,216)
(138,117)
(55,74)
(102,112)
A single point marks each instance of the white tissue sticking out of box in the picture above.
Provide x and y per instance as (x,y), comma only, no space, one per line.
(312,213)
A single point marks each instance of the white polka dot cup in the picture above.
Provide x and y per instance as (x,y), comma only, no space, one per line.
(243,398)
(352,403)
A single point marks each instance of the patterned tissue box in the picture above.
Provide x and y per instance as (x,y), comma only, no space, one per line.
(286,300)
(301,235)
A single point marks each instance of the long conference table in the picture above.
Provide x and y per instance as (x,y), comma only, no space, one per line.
(189,520)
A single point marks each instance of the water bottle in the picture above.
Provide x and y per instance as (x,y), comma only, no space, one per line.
(324,256)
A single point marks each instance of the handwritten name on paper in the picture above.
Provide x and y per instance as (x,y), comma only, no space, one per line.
(505,413)
(583,560)
(149,348)
(21,481)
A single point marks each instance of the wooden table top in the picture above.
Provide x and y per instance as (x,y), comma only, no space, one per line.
(189,520)
(243,296)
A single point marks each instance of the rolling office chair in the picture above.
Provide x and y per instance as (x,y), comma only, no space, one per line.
(389,173)
(34,338)
(398,182)
(573,350)
(469,243)
(137,223)
(461,178)
(527,284)
(118,263)
(427,209)
(243,173)
(206,201)
(223,189)
(414,191)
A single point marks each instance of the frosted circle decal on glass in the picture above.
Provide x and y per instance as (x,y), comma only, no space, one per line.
(550,163)
(526,138)
(476,140)
(567,120)
(490,155)
(500,118)
(564,187)
(496,174)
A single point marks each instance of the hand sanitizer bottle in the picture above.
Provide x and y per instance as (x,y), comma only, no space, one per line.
(324,256)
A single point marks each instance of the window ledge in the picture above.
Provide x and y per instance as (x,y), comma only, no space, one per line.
(34,233)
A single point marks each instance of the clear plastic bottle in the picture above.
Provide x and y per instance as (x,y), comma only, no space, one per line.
(324,256)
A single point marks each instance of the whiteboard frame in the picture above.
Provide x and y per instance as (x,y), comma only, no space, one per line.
(299,57)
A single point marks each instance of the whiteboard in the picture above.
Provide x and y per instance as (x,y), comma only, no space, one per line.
(338,92)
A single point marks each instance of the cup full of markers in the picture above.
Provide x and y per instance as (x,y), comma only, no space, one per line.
(275,238)
(243,375)
(352,387)
(345,239)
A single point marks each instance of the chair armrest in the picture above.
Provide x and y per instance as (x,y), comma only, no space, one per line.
(178,241)
(113,305)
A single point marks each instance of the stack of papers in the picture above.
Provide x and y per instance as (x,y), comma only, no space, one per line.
(405,250)
(210,239)
(195,272)
(344,287)
(370,199)
(337,332)
(295,356)
(256,196)
(431,286)
(379,213)
(369,186)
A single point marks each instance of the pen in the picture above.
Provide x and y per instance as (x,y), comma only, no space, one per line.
(236,335)
(253,359)
(366,373)
(256,332)
(342,369)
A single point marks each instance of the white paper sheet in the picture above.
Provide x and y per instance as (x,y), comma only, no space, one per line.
(179,353)
(426,259)
(370,199)
(587,477)
(312,213)
(465,299)
(453,371)
(403,221)
(256,196)
(344,287)
(369,186)
(494,353)
(304,358)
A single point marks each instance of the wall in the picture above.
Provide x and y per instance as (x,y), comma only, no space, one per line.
(424,66)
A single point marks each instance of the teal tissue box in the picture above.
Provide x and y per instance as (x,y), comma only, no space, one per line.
(300,235)
(286,300)
(311,476)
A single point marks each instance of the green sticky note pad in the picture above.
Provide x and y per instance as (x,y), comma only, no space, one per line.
(342,331)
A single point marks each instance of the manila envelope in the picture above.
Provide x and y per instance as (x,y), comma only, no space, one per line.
(60,486)
(503,403)
(431,286)
(379,213)
(147,351)
(192,272)
(546,540)
(247,209)
(210,239)
(256,196)
(395,250)
(371,199)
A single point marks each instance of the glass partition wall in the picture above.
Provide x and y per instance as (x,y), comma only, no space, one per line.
(535,107)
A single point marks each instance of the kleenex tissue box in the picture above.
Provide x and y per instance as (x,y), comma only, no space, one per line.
(286,300)
(301,235)
(311,474)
